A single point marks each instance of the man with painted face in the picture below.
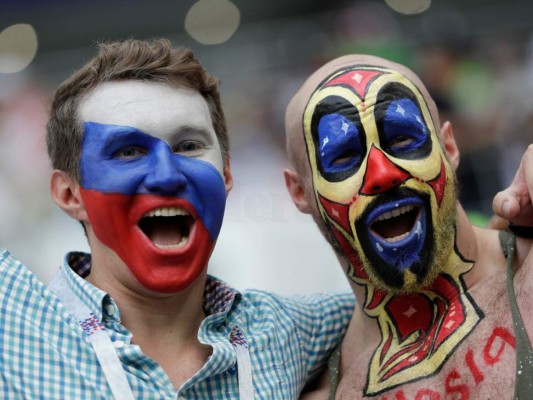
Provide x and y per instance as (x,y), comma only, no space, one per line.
(138,143)
(438,316)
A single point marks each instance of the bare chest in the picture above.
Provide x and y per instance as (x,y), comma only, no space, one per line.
(467,350)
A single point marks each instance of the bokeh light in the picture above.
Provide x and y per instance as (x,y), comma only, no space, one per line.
(409,6)
(212,21)
(18,47)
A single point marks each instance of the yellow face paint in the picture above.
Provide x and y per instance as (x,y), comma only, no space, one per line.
(381,180)
(386,194)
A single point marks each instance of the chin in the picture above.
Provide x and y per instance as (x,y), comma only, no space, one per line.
(168,283)
(416,270)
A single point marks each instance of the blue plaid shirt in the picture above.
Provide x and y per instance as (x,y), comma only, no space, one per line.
(44,354)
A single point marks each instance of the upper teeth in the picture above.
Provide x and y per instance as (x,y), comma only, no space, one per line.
(166,212)
(395,213)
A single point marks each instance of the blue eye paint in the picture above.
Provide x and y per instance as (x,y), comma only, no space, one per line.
(340,146)
(404,132)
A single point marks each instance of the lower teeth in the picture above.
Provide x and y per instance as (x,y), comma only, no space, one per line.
(181,243)
(396,238)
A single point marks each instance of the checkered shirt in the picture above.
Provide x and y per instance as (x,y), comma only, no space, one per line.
(45,355)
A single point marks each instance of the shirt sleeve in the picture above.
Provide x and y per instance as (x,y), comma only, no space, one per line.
(300,331)
(40,357)
(321,320)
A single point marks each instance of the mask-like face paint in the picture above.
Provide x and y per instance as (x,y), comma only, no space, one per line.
(155,198)
(383,185)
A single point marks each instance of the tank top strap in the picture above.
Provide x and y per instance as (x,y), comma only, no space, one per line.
(524,352)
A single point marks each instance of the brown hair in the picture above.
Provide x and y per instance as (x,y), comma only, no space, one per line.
(130,59)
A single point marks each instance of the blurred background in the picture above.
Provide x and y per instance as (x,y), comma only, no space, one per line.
(475,56)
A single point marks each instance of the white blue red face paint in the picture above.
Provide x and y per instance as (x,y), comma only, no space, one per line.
(381,179)
(142,197)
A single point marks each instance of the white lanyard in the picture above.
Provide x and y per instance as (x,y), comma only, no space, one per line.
(100,340)
(246,387)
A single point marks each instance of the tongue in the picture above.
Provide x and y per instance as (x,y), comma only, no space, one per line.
(163,232)
(165,237)
(394,227)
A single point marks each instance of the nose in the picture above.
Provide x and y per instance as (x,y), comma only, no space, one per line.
(165,175)
(381,174)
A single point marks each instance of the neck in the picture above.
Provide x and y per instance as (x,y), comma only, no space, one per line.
(402,336)
(165,326)
(146,313)
(176,316)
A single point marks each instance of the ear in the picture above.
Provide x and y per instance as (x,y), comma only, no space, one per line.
(296,189)
(228,178)
(65,192)
(450,146)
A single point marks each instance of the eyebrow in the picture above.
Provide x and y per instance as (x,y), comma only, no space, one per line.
(128,130)
(117,133)
(191,130)
(124,132)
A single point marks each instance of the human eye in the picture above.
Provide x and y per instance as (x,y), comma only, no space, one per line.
(346,158)
(189,146)
(129,152)
(400,143)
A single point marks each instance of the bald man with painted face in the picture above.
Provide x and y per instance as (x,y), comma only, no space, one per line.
(442,305)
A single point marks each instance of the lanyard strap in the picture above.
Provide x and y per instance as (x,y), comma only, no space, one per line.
(244,366)
(524,352)
(98,337)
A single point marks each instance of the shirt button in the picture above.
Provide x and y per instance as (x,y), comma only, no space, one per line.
(118,344)
(110,309)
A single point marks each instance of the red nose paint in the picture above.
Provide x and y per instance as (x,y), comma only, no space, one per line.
(381,174)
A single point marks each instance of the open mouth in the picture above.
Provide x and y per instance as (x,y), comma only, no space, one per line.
(168,228)
(396,224)
(394,234)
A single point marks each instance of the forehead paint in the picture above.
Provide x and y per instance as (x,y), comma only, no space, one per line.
(358,80)
(127,174)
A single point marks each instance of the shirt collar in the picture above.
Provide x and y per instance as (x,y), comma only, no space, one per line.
(77,266)
(219,297)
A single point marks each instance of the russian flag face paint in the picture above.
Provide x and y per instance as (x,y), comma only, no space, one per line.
(156,200)
(383,186)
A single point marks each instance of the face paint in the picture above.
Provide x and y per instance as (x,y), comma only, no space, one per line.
(385,193)
(151,180)
(384,188)
(160,212)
